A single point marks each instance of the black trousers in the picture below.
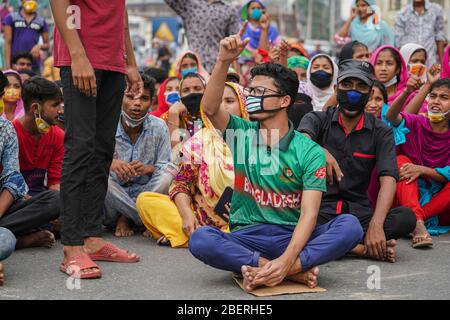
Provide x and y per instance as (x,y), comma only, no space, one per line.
(399,223)
(24,216)
(91,124)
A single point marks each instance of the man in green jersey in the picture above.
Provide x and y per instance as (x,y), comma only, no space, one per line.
(280,179)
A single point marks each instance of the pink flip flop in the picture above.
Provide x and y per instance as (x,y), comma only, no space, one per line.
(111,253)
(79,263)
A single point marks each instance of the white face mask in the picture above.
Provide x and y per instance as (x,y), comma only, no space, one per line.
(392,82)
(133,123)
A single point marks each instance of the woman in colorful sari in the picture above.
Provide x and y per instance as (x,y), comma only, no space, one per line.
(169,94)
(183,117)
(391,70)
(204,174)
(190,62)
(424,164)
(364,25)
(12,98)
(254,12)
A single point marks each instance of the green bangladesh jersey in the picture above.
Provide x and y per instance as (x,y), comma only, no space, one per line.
(269,182)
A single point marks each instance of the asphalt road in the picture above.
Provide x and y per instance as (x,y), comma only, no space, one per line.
(165,273)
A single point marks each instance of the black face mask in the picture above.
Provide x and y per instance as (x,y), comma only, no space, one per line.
(352,100)
(321,79)
(192,103)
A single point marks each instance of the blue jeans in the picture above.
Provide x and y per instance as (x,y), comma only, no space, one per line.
(7,243)
(231,251)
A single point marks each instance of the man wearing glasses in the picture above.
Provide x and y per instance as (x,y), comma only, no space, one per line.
(279,182)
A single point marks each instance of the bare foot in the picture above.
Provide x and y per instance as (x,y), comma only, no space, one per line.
(147,234)
(123,228)
(71,252)
(391,251)
(2,276)
(56,228)
(310,278)
(249,274)
(38,239)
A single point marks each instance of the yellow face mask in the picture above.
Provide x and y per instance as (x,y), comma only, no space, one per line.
(2,106)
(30,6)
(437,117)
(12,95)
(42,125)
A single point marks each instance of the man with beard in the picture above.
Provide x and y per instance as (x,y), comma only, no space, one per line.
(356,143)
(279,182)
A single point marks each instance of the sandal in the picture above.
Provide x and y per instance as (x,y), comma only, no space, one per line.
(79,263)
(163,241)
(422,242)
(111,253)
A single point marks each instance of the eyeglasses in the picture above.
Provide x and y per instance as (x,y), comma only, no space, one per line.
(260,92)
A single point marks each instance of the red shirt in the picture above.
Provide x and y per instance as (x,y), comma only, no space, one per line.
(40,159)
(102,33)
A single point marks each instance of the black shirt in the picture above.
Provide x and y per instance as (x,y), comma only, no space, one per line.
(370,145)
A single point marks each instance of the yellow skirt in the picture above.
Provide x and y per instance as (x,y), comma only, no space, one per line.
(161,217)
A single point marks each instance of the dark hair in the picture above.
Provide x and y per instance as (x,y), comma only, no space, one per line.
(196,76)
(38,89)
(170,79)
(298,52)
(284,79)
(15,75)
(419,50)
(397,59)
(58,83)
(190,56)
(158,74)
(21,55)
(27,71)
(383,90)
(149,83)
(348,50)
(444,82)
(3,83)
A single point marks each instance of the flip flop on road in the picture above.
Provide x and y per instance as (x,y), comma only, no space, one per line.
(76,266)
(111,253)
(422,241)
(163,241)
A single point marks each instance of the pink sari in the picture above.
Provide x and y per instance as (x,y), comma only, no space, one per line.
(404,77)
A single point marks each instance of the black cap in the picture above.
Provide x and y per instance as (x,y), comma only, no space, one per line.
(356,69)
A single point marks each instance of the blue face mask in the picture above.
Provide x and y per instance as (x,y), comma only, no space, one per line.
(172,97)
(184,73)
(257,14)
(352,100)
(354,97)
